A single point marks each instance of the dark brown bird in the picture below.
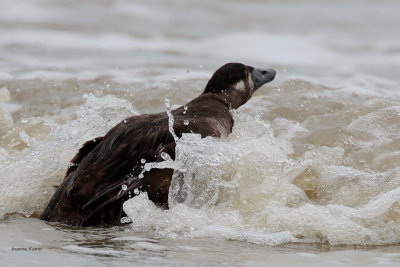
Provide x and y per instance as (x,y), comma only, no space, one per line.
(91,192)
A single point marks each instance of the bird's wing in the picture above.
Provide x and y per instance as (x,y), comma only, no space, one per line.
(83,151)
(113,161)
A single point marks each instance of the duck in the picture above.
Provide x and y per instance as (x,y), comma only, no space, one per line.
(91,194)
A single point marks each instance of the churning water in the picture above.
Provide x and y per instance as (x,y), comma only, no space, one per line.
(312,164)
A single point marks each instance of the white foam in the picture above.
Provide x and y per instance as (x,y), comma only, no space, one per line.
(27,177)
(243,189)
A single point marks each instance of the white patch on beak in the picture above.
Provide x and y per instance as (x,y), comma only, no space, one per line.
(240,86)
(250,81)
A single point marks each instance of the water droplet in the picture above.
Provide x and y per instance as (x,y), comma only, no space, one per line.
(186,122)
(185,107)
(126,220)
(124,121)
(141,176)
(166,101)
(165,156)
(136,191)
(124,187)
(174,79)
(143,161)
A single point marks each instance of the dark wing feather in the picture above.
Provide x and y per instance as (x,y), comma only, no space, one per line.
(135,184)
(83,151)
(96,181)
(133,179)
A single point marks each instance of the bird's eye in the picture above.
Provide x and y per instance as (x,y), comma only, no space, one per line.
(245,73)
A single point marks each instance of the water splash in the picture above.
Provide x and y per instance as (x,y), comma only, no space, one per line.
(250,187)
(328,173)
(42,148)
(165,156)
(170,120)
(168,162)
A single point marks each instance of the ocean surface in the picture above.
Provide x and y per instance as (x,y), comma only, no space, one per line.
(309,176)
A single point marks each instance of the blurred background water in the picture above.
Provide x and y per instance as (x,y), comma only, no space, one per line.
(310,174)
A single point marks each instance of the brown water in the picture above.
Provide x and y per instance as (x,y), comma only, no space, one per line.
(310,174)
